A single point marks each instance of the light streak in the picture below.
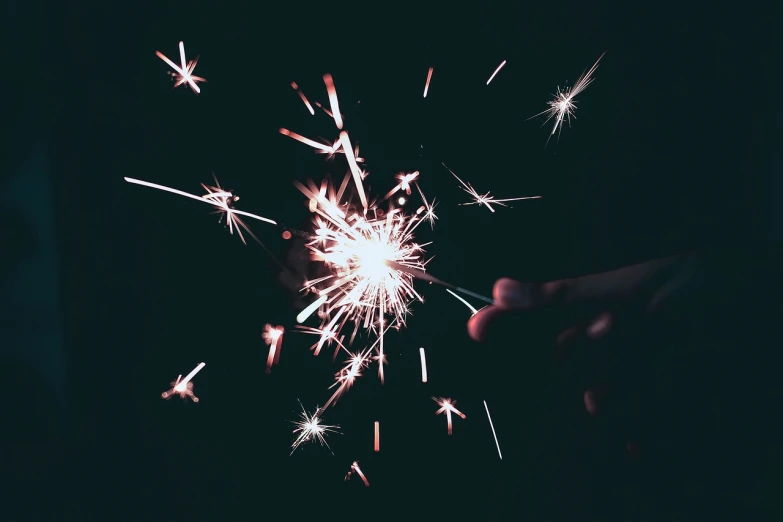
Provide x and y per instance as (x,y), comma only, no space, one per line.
(377,445)
(493,430)
(447,407)
(332,92)
(562,107)
(485,199)
(356,469)
(309,428)
(496,71)
(184,387)
(185,72)
(472,310)
(423,365)
(427,84)
(312,307)
(295,87)
(272,336)
(307,141)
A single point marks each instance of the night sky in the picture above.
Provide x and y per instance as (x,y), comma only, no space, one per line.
(667,152)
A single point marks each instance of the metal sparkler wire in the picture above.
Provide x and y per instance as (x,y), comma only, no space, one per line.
(424,276)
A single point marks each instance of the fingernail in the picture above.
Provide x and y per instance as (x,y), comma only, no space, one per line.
(599,326)
(509,292)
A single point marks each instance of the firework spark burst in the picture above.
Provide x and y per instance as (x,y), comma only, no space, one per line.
(184,387)
(563,106)
(184,72)
(485,199)
(310,429)
(272,336)
(447,407)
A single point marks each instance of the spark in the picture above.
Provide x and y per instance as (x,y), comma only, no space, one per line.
(562,107)
(447,407)
(405,181)
(423,365)
(307,141)
(307,312)
(377,444)
(309,428)
(222,200)
(496,71)
(427,84)
(184,387)
(185,72)
(472,310)
(493,430)
(338,119)
(485,199)
(326,336)
(295,87)
(272,336)
(356,469)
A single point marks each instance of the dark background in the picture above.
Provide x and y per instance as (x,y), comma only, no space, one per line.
(115,289)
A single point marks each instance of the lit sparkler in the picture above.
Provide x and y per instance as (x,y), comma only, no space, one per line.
(184,73)
(272,336)
(184,387)
(356,469)
(485,199)
(562,107)
(309,428)
(447,407)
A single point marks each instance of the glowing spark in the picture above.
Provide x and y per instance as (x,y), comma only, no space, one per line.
(220,199)
(309,428)
(326,336)
(307,141)
(272,336)
(496,71)
(485,199)
(356,469)
(427,84)
(295,87)
(377,445)
(307,312)
(327,111)
(338,120)
(473,310)
(423,365)
(185,72)
(493,430)
(405,181)
(447,407)
(562,107)
(355,170)
(184,387)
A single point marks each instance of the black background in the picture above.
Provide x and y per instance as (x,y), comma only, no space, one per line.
(666,153)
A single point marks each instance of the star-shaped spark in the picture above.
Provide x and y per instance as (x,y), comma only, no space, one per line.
(485,199)
(309,428)
(447,407)
(562,107)
(183,387)
(184,73)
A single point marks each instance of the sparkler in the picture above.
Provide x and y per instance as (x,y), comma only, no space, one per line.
(493,430)
(486,199)
(447,407)
(496,71)
(356,469)
(427,84)
(184,387)
(185,72)
(562,107)
(309,428)
(272,336)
